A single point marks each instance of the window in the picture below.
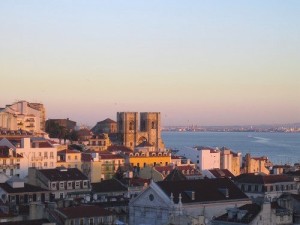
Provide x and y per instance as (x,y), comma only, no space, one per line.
(81,222)
(256,188)
(61,185)
(69,184)
(45,164)
(76,157)
(11,161)
(53,185)
(4,161)
(33,165)
(91,221)
(85,183)
(249,187)
(131,125)
(69,157)
(77,184)
(51,164)
(153,125)
(51,155)
(46,155)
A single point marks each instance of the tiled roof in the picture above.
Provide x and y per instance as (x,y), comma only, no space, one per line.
(206,190)
(218,173)
(63,174)
(27,188)
(67,151)
(175,175)
(84,211)
(252,210)
(262,179)
(111,185)
(41,144)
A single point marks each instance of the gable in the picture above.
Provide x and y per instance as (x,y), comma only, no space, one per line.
(152,196)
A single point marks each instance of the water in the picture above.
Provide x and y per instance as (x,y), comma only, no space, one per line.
(281,148)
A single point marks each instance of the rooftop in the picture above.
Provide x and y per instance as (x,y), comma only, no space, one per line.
(205,190)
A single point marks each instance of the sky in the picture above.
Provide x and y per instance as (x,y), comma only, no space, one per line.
(197,62)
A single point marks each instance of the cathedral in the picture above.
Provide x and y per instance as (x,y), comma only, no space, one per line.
(135,129)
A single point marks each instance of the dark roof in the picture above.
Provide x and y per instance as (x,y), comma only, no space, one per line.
(205,190)
(107,120)
(27,222)
(221,173)
(144,144)
(63,174)
(262,179)
(293,173)
(27,188)
(175,175)
(252,211)
(84,211)
(111,185)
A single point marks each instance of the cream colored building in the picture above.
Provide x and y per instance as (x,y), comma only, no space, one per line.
(37,152)
(99,142)
(23,115)
(231,161)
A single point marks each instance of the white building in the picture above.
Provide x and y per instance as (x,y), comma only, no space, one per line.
(23,115)
(194,201)
(36,152)
(204,157)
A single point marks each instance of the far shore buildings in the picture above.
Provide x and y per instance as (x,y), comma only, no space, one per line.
(23,115)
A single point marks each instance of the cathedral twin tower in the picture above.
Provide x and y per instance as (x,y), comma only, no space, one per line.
(139,130)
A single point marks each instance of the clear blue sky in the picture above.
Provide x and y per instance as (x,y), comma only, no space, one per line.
(197,62)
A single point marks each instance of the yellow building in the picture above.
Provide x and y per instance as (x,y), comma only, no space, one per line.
(100,165)
(143,159)
(256,164)
(231,161)
(69,159)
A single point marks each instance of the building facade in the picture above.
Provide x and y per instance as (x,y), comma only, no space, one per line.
(23,115)
(135,129)
(35,152)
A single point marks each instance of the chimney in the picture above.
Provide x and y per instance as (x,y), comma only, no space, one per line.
(25,143)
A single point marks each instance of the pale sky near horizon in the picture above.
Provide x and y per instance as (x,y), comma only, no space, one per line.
(196,62)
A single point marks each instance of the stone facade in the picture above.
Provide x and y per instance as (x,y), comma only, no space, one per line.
(134,129)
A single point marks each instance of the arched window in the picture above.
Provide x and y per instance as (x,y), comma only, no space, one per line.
(153,125)
(131,125)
